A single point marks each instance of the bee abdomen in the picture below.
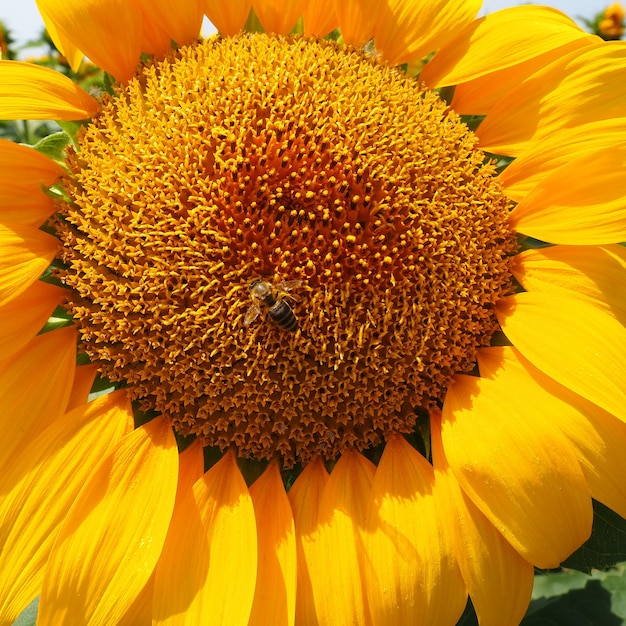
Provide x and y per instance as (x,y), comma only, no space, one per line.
(282,314)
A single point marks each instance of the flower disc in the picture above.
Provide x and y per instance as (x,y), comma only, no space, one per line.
(359,197)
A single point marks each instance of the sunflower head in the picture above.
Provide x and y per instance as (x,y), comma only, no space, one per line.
(329,230)
(290,161)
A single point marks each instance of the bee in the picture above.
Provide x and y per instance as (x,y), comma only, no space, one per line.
(273,297)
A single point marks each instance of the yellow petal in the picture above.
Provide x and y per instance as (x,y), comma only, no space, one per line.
(498,41)
(92,26)
(191,468)
(598,438)
(278,16)
(582,202)
(39,487)
(550,153)
(154,39)
(305,496)
(275,594)
(406,30)
(23,173)
(572,341)
(23,317)
(412,574)
(478,96)
(111,539)
(228,17)
(499,580)
(84,377)
(319,19)
(207,571)
(336,548)
(34,92)
(517,467)
(180,20)
(584,272)
(25,254)
(63,44)
(35,385)
(581,87)
(356,19)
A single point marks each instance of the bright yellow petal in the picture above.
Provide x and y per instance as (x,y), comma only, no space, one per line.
(23,317)
(319,19)
(63,44)
(305,497)
(111,539)
(336,548)
(84,377)
(207,571)
(23,173)
(583,202)
(35,385)
(25,254)
(33,92)
(499,580)
(579,88)
(599,438)
(583,272)
(356,19)
(478,96)
(39,487)
(154,39)
(550,153)
(412,574)
(572,341)
(498,41)
(517,467)
(180,20)
(278,16)
(406,30)
(109,33)
(191,468)
(275,594)
(228,17)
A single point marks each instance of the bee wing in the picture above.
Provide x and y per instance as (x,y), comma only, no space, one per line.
(288,285)
(251,314)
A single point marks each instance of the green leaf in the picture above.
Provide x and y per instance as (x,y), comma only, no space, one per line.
(605,547)
(573,599)
(53,146)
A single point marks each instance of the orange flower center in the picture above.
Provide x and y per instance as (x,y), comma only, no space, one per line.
(283,246)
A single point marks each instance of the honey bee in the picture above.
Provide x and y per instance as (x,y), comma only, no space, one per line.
(273,297)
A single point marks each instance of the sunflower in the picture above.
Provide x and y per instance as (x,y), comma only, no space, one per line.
(319,320)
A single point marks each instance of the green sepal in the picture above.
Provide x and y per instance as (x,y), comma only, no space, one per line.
(71,128)
(60,318)
(108,84)
(253,25)
(53,146)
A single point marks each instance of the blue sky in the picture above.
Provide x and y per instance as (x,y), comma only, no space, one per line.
(22,17)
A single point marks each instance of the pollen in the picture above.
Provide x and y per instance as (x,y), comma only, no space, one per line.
(359,200)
